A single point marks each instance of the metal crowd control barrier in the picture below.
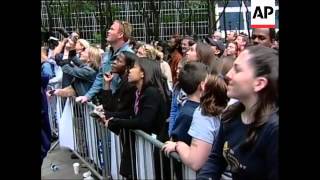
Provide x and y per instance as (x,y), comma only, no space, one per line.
(55,108)
(100,149)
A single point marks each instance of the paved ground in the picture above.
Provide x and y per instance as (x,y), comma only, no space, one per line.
(61,158)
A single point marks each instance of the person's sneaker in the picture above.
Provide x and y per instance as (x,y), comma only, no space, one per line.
(74,156)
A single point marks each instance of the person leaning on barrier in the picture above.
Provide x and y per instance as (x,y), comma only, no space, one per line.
(83,71)
(151,101)
(191,79)
(150,112)
(118,36)
(249,132)
(119,103)
(204,126)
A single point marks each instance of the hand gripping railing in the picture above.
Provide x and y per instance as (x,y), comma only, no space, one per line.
(101,150)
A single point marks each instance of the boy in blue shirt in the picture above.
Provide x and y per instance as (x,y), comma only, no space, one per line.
(192,80)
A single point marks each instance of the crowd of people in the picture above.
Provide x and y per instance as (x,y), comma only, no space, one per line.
(216,102)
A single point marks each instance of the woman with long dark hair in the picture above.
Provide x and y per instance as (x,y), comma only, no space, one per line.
(248,137)
(151,98)
(150,112)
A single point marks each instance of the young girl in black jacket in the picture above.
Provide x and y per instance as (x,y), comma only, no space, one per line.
(150,109)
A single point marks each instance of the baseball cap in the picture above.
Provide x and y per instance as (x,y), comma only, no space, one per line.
(219,44)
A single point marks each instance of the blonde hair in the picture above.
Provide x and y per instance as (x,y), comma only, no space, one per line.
(150,51)
(94,57)
(84,43)
(159,54)
(126,28)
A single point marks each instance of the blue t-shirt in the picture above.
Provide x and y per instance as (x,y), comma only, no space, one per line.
(203,127)
(183,122)
(178,99)
(47,70)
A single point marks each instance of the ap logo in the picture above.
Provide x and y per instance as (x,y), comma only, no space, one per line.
(263,14)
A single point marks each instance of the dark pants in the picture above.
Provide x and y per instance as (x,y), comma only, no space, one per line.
(163,137)
(128,163)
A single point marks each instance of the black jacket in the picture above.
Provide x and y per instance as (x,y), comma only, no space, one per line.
(151,115)
(119,104)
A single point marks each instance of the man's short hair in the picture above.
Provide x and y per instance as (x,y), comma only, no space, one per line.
(191,76)
(126,28)
(244,36)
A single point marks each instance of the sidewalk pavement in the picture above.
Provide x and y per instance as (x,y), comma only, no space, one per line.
(61,158)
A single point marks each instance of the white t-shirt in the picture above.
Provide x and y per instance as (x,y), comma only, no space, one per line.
(205,128)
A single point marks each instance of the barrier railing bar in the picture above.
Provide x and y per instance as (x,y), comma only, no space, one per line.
(155,142)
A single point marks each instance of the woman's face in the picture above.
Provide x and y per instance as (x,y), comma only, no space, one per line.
(84,55)
(241,78)
(79,47)
(141,52)
(231,49)
(192,53)
(119,64)
(135,74)
(185,45)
